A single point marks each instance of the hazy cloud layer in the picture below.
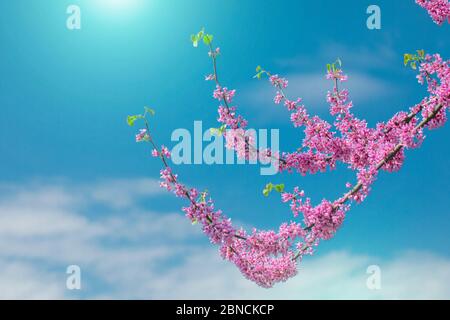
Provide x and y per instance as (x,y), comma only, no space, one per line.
(380,56)
(132,252)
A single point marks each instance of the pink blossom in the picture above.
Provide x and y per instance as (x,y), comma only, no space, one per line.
(299,117)
(165,152)
(141,136)
(214,53)
(292,105)
(278,98)
(278,82)
(439,10)
(223,94)
(337,74)
(270,256)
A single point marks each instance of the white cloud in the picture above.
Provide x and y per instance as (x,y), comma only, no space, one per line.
(48,227)
(23,280)
(140,254)
(116,193)
(354,57)
(121,193)
(338,275)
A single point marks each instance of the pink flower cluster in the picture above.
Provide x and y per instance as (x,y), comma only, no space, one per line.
(337,74)
(223,94)
(268,257)
(282,83)
(141,135)
(265,257)
(164,152)
(439,10)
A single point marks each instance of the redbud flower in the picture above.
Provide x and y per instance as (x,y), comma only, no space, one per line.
(142,135)
(337,74)
(439,10)
(278,82)
(278,98)
(165,152)
(268,256)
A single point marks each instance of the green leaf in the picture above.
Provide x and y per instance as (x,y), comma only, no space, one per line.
(406,58)
(218,131)
(194,222)
(268,189)
(194,40)
(202,197)
(215,131)
(207,39)
(258,68)
(421,53)
(338,61)
(259,74)
(279,187)
(328,67)
(200,34)
(149,111)
(414,65)
(132,119)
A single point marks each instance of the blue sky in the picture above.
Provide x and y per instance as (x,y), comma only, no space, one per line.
(76,189)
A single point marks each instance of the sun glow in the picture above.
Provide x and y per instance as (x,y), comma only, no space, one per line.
(118,5)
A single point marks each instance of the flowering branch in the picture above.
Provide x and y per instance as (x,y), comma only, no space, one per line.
(267,257)
(439,10)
